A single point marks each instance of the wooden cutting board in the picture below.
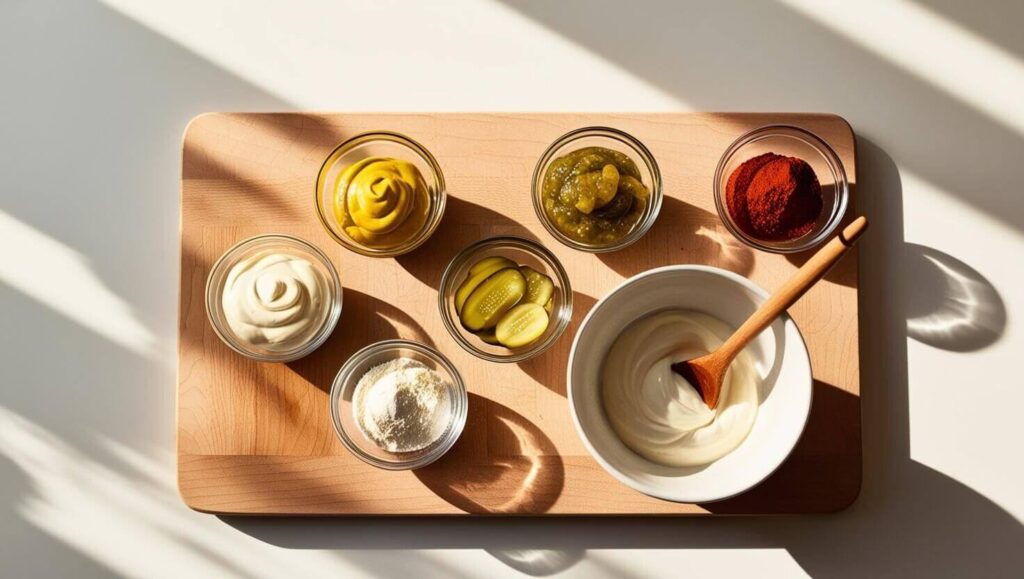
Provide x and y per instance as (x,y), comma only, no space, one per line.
(257,438)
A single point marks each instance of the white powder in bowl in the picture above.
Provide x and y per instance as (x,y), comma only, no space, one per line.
(402,405)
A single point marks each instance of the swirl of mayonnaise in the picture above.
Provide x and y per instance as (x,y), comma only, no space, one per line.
(381,202)
(275,300)
(656,412)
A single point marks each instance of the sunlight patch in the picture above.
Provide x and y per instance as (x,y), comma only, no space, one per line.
(60,278)
(935,48)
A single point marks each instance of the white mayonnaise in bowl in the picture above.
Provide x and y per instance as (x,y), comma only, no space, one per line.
(778,360)
(273,298)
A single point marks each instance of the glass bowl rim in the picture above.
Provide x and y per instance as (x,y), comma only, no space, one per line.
(437,211)
(330,321)
(832,159)
(637,146)
(460,406)
(563,313)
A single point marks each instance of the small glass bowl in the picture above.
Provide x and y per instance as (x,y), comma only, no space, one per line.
(610,139)
(791,142)
(343,415)
(523,252)
(276,243)
(379,144)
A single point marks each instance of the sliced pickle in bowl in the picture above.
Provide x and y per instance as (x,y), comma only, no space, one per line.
(499,293)
(477,275)
(522,325)
(490,263)
(539,287)
(492,298)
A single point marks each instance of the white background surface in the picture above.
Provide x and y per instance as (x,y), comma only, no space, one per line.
(93,101)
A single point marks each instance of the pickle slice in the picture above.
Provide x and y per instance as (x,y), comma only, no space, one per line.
(550,305)
(488,337)
(477,277)
(522,325)
(539,287)
(492,298)
(489,263)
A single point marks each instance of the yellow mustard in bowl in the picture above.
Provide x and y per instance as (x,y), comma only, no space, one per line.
(381,202)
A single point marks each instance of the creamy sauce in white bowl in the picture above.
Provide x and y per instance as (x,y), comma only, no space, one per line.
(779,362)
(656,412)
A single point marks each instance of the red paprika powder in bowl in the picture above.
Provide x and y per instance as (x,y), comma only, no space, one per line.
(781,189)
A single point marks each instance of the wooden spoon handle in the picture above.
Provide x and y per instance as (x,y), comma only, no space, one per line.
(805,277)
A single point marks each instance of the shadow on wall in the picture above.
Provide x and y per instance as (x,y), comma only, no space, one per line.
(119,96)
(538,562)
(1000,26)
(110,99)
(950,305)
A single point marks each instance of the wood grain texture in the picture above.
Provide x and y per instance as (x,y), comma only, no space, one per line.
(257,438)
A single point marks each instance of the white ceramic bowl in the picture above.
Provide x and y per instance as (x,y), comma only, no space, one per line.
(780,357)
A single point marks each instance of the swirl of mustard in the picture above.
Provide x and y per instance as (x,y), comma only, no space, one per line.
(381,202)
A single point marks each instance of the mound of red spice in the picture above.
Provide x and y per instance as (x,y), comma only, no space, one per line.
(774,197)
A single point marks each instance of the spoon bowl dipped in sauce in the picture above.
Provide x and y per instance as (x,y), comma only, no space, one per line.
(706,373)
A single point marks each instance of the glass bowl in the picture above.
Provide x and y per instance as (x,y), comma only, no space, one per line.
(379,144)
(610,139)
(791,142)
(523,252)
(343,417)
(262,244)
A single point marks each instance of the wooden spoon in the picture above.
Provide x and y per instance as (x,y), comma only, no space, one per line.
(706,373)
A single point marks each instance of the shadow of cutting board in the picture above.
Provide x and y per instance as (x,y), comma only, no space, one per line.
(257,438)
